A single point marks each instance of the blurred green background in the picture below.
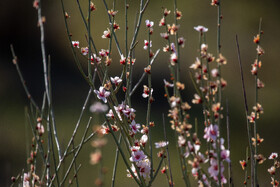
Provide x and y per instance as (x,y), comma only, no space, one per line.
(18,22)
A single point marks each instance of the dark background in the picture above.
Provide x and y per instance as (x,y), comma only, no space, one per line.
(18,22)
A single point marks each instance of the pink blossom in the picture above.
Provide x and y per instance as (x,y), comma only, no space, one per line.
(146,44)
(161,144)
(181,141)
(137,156)
(84,50)
(106,34)
(102,94)
(225,155)
(103,53)
(135,127)
(273,156)
(167,84)
(116,80)
(146,92)
(76,44)
(211,132)
(144,140)
(201,29)
(98,107)
(144,168)
(149,23)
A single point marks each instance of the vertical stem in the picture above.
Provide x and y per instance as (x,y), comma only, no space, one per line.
(46,77)
(220,88)
(249,130)
(89,45)
(168,157)
(149,105)
(255,122)
(116,163)
(228,142)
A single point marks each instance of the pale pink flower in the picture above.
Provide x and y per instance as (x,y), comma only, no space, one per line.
(213,170)
(106,34)
(173,58)
(137,156)
(26,179)
(110,114)
(201,29)
(144,140)
(40,129)
(161,144)
(122,60)
(181,41)
(167,84)
(103,53)
(129,112)
(215,72)
(211,132)
(146,92)
(76,44)
(84,50)
(135,127)
(144,168)
(146,44)
(164,35)
(149,23)
(181,141)
(102,94)
(196,64)
(197,99)
(116,80)
(98,107)
(273,156)
(225,155)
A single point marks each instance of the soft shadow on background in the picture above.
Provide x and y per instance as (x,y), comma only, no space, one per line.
(18,22)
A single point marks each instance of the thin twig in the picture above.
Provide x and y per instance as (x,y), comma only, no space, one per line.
(249,131)
(116,163)
(76,154)
(228,143)
(46,77)
(15,62)
(143,75)
(167,150)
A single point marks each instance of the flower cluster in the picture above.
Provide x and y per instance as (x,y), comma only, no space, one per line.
(273,168)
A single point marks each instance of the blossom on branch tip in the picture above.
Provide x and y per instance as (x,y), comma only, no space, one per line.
(106,34)
(135,127)
(84,50)
(211,132)
(161,144)
(116,80)
(149,23)
(76,44)
(102,94)
(146,91)
(112,12)
(168,84)
(273,156)
(92,6)
(201,29)
(146,44)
